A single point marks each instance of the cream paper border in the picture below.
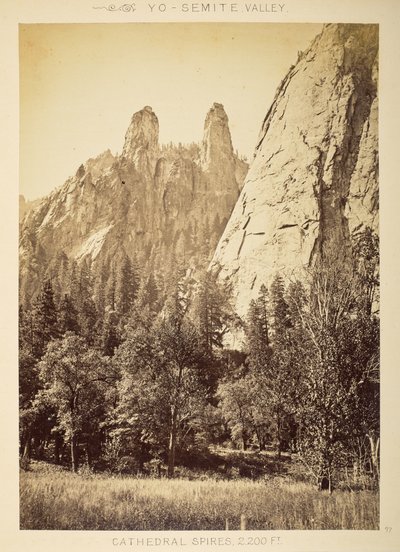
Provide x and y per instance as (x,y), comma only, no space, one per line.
(384,12)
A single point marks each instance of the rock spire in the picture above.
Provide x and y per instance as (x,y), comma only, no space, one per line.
(141,139)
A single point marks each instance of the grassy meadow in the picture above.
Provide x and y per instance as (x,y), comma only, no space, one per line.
(57,499)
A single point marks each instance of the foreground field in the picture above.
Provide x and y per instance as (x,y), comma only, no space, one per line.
(62,500)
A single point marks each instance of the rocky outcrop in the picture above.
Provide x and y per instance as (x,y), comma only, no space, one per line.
(150,201)
(26,206)
(314,177)
(222,168)
(217,144)
(141,141)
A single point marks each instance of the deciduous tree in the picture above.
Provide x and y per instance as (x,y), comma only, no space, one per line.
(74,377)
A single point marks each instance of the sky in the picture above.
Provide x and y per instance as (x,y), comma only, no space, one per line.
(81,83)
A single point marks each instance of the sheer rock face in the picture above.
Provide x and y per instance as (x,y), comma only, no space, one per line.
(217,159)
(141,141)
(314,175)
(141,201)
(217,143)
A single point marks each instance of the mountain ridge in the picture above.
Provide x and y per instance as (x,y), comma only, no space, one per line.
(149,201)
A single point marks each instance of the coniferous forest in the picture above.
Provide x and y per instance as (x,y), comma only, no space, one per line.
(124,370)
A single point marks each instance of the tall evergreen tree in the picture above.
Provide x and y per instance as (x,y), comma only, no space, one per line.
(212,311)
(25,329)
(279,308)
(85,286)
(89,321)
(109,291)
(44,320)
(37,332)
(177,291)
(270,359)
(99,284)
(148,294)
(126,284)
(258,330)
(110,335)
(67,316)
(28,381)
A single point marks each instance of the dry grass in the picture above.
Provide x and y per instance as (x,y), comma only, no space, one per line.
(61,500)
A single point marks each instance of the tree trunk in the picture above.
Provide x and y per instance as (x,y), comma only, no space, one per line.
(172,441)
(325,479)
(324,483)
(142,456)
(74,453)
(374,444)
(57,448)
(26,455)
(260,439)
(278,435)
(39,448)
(88,454)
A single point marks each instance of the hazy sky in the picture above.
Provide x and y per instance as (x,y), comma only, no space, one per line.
(81,83)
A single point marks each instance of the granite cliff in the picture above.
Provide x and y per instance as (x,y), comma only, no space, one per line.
(314,176)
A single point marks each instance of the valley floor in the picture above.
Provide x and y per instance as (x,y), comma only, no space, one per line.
(52,498)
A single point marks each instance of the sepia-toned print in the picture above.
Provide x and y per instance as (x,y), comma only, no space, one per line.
(199,321)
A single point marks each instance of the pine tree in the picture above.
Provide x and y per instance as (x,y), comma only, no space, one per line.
(280,309)
(89,321)
(148,294)
(25,329)
(109,291)
(212,311)
(270,360)
(28,381)
(67,316)
(177,292)
(126,284)
(99,283)
(261,370)
(37,330)
(257,329)
(110,336)
(85,282)
(44,320)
